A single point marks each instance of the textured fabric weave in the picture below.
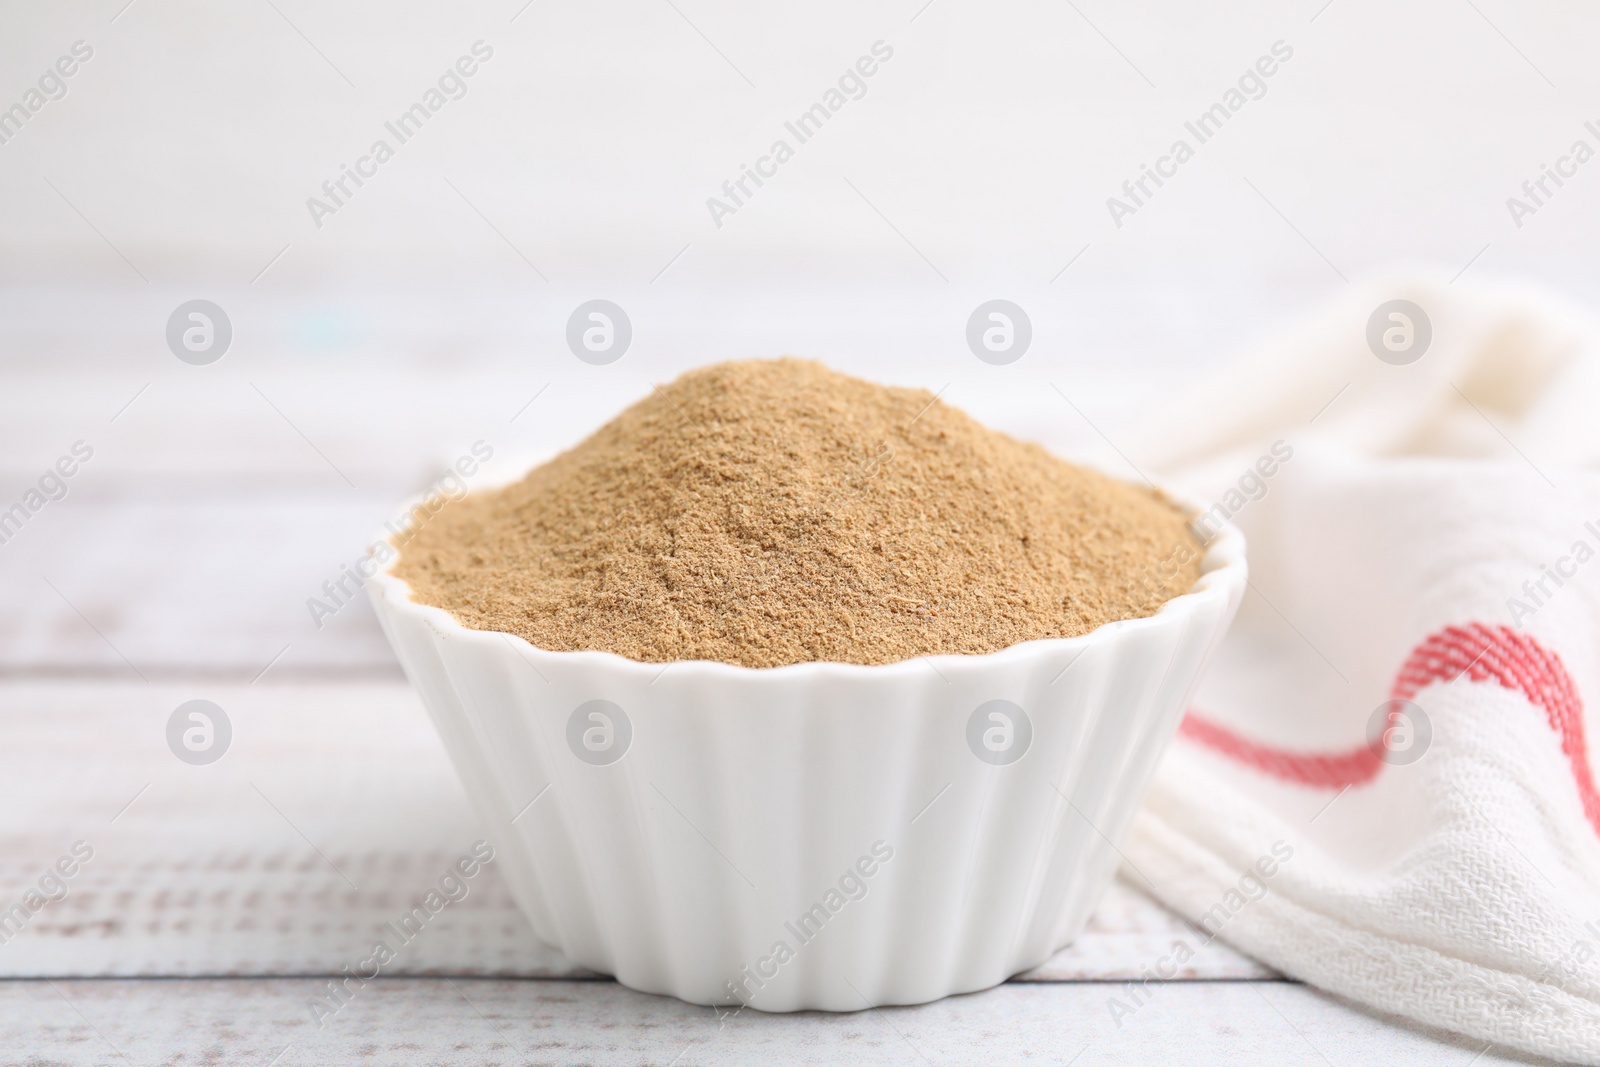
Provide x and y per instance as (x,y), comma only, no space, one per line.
(1406,704)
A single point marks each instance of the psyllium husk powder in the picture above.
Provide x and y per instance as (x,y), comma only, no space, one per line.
(772,512)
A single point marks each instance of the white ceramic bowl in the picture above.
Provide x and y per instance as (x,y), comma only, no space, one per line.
(816,836)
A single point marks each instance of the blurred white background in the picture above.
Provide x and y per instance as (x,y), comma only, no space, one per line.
(426,312)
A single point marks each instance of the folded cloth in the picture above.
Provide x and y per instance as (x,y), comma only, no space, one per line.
(1385,785)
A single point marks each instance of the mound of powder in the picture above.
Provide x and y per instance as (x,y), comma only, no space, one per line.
(772,512)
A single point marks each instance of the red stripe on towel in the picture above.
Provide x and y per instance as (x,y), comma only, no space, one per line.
(1483,653)
(1316,769)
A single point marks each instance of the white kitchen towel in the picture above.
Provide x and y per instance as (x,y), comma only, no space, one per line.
(1385,784)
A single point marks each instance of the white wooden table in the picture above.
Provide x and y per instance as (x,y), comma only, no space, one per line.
(370,352)
(219,897)
(489,1021)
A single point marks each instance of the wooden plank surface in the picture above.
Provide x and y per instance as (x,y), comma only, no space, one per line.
(333,809)
(465,1021)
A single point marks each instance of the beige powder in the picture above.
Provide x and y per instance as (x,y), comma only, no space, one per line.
(772,512)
